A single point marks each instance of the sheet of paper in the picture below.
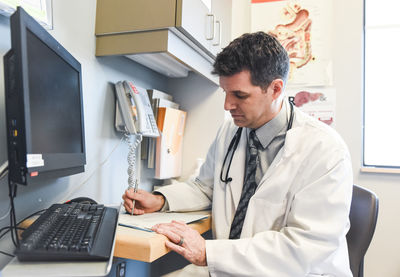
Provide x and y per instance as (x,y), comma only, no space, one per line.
(146,221)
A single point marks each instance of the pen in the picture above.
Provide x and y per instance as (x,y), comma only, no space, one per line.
(133,201)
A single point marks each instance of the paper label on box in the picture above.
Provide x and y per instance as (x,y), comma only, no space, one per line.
(34,160)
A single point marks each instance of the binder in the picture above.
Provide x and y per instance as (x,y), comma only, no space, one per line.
(158,99)
(171,123)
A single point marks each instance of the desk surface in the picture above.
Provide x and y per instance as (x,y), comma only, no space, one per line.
(147,246)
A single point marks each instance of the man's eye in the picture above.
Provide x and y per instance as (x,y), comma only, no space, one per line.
(241,96)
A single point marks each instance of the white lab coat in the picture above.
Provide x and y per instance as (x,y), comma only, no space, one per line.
(296,221)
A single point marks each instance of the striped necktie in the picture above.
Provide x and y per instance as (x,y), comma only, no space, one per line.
(249,187)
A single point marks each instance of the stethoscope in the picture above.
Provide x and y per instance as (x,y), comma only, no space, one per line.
(235,141)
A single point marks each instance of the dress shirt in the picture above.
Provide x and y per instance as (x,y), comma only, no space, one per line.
(272,137)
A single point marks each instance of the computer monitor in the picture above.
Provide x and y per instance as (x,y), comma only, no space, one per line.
(44,109)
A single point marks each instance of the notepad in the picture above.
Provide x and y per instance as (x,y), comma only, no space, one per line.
(146,221)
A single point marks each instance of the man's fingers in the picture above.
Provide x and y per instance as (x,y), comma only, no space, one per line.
(179,225)
(127,207)
(169,231)
(130,193)
(176,248)
(179,222)
(138,195)
(170,234)
(173,225)
(138,211)
(174,237)
(125,197)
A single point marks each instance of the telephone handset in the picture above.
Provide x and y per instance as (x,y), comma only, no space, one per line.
(133,111)
(134,117)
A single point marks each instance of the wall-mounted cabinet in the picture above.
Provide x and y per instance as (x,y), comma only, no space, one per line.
(172,37)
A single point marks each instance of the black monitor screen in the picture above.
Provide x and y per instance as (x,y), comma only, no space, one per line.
(55,110)
(44,108)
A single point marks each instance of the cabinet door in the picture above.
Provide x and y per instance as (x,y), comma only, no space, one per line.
(208,25)
(222,11)
(120,16)
(196,22)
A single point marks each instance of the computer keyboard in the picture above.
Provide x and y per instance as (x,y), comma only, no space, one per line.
(67,232)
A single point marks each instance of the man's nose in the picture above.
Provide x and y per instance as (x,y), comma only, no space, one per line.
(229,103)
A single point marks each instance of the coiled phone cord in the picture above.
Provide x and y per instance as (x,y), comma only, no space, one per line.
(132,178)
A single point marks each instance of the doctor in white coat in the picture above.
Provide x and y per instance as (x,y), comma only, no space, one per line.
(296,217)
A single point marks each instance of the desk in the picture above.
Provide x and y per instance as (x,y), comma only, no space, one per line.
(147,246)
(130,244)
(141,245)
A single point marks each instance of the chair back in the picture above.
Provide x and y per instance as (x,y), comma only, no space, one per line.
(363,217)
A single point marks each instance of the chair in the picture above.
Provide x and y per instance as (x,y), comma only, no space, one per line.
(363,217)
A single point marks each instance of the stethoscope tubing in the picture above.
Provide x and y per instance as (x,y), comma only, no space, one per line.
(235,142)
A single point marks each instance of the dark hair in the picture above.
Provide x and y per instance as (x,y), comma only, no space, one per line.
(259,53)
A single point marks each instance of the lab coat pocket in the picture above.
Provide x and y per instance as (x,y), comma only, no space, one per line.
(269,216)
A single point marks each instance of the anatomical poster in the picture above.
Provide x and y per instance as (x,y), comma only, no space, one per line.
(304,28)
(316,102)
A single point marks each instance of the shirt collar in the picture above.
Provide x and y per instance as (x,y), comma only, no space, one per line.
(267,132)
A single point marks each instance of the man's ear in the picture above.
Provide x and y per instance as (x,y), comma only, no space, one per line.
(276,88)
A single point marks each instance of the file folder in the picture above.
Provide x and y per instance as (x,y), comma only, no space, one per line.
(171,123)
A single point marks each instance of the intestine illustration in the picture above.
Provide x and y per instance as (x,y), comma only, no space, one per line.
(295,36)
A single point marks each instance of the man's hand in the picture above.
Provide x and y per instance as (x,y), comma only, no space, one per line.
(193,246)
(145,202)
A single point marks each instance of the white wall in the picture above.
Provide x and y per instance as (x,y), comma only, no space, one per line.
(241,18)
(382,258)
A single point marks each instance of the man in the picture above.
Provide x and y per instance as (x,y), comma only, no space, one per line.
(280,200)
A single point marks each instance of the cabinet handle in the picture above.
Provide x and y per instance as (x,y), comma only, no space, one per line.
(210,35)
(217,22)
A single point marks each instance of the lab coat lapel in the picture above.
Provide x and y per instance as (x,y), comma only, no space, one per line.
(237,169)
(291,140)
